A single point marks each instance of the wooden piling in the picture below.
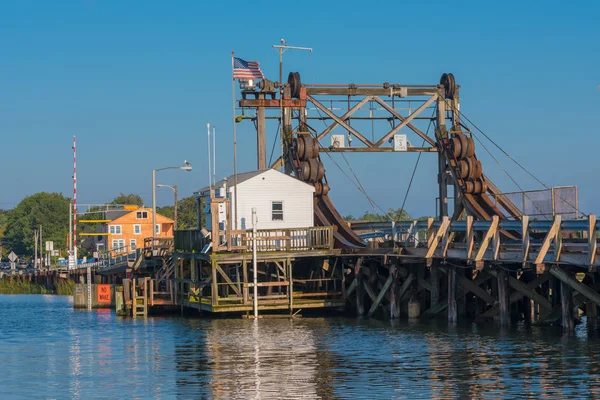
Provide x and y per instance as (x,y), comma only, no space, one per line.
(394,299)
(452,308)
(566,300)
(503,297)
(591,312)
(435,284)
(360,290)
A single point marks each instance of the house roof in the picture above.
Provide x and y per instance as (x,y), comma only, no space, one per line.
(159,217)
(242,177)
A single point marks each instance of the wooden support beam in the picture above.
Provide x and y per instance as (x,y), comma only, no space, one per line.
(550,236)
(470,237)
(340,122)
(407,120)
(352,287)
(525,240)
(441,232)
(369,289)
(405,285)
(401,118)
(516,295)
(592,239)
(563,276)
(470,286)
(229,281)
(523,289)
(486,239)
(380,296)
(344,117)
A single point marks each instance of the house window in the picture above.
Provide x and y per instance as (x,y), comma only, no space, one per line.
(137,229)
(118,244)
(115,229)
(157,230)
(141,215)
(277,211)
(132,245)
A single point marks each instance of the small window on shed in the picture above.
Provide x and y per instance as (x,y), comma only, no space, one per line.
(277,211)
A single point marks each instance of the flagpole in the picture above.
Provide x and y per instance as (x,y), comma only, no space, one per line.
(234,144)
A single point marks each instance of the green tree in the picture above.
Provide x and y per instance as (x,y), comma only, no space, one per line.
(186,212)
(3,218)
(394,215)
(51,210)
(133,199)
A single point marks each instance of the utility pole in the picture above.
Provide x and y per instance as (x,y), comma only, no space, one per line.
(35,241)
(175,190)
(41,258)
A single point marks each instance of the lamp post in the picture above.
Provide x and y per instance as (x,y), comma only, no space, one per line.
(174,189)
(185,167)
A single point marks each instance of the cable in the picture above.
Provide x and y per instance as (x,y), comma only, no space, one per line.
(416,165)
(509,157)
(274,143)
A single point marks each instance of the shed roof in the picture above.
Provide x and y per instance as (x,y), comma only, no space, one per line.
(242,177)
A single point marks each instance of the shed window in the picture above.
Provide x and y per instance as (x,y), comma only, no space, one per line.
(277,211)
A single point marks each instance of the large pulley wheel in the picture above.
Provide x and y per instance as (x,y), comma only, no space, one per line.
(464,143)
(294,83)
(314,169)
(470,147)
(463,168)
(305,171)
(455,147)
(449,85)
(299,145)
(321,189)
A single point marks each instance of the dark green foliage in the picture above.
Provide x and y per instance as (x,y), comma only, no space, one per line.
(51,210)
(133,199)
(186,212)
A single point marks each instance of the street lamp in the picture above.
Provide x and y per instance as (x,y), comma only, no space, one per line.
(185,167)
(174,189)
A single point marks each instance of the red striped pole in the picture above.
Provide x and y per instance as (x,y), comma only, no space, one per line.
(75,197)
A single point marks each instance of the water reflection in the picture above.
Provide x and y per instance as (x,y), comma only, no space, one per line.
(49,350)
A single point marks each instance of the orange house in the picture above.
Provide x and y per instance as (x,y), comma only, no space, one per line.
(128,232)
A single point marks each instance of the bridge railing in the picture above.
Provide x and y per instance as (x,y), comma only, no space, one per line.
(528,241)
(292,239)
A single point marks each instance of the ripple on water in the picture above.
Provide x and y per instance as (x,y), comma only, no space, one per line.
(49,350)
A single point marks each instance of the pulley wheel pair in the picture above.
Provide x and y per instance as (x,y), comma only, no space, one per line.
(462,146)
(295,84)
(476,186)
(312,170)
(449,85)
(306,146)
(321,189)
(470,168)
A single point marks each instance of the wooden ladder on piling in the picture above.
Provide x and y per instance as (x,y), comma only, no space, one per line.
(140,303)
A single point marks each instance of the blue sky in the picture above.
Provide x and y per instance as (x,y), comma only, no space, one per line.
(137,81)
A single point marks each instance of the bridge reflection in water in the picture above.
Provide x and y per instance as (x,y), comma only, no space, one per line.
(51,350)
(347,358)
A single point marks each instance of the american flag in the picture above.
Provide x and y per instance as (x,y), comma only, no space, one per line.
(246,69)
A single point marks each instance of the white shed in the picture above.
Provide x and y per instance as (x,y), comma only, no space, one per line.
(281,201)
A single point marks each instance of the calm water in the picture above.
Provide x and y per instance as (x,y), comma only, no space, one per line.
(49,350)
